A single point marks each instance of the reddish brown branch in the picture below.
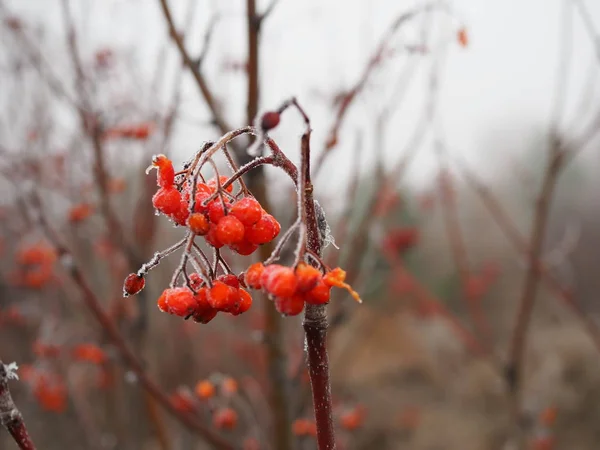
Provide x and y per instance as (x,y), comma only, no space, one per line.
(206,92)
(459,251)
(10,416)
(315,317)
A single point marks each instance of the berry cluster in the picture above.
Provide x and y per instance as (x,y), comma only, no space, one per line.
(292,288)
(225,295)
(242,224)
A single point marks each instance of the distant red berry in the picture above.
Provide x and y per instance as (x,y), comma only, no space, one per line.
(230,230)
(225,418)
(90,353)
(205,389)
(182,401)
(290,306)
(270,120)
(167,200)
(133,284)
(198,224)
(247,210)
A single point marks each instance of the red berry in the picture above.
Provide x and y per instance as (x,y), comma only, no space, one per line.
(290,306)
(200,197)
(280,282)
(196,281)
(245,301)
(230,280)
(319,294)
(253,275)
(307,277)
(204,312)
(223,297)
(167,200)
(247,210)
(263,231)
(270,120)
(211,237)
(198,224)
(133,284)
(178,301)
(216,211)
(230,230)
(225,418)
(181,215)
(244,247)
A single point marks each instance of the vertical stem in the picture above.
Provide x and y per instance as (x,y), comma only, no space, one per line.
(315,317)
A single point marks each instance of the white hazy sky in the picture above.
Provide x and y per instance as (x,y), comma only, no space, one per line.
(493,94)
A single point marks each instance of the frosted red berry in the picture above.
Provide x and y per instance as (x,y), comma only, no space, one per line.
(244,247)
(178,301)
(133,284)
(270,120)
(318,295)
(198,224)
(253,275)
(203,312)
(223,297)
(247,210)
(307,276)
(280,282)
(180,216)
(263,231)
(245,301)
(216,211)
(230,230)
(290,306)
(167,200)
(230,280)
(211,237)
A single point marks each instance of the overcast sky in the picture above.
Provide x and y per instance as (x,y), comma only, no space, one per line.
(498,90)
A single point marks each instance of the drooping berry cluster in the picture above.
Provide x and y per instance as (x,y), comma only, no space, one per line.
(292,288)
(225,295)
(223,219)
